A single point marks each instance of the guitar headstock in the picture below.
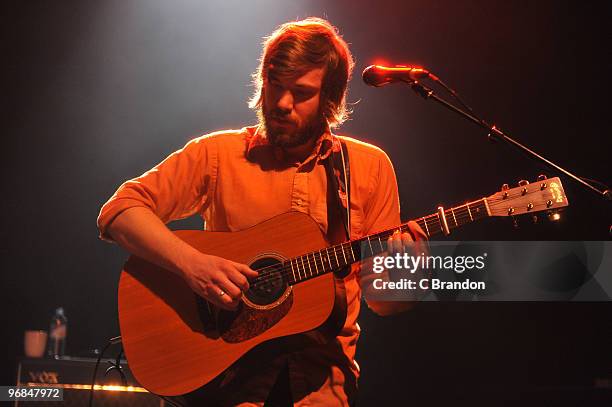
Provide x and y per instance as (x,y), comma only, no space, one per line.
(546,194)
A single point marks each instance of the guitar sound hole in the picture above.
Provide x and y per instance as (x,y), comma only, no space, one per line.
(270,285)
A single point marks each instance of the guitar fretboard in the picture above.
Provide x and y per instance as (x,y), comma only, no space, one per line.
(337,257)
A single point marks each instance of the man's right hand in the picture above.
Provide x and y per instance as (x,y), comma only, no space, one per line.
(218,280)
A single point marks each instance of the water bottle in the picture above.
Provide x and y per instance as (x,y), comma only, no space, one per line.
(57,334)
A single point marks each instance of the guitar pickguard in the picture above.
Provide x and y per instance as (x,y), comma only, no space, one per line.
(248,322)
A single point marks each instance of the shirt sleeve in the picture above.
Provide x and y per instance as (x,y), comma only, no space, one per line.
(174,189)
(383,209)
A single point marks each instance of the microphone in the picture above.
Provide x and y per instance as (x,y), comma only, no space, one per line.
(378,75)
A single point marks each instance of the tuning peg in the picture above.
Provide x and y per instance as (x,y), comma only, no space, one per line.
(505,188)
(523,183)
(543,185)
(554,216)
(515,222)
(534,219)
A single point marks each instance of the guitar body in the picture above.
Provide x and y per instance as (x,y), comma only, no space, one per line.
(176,342)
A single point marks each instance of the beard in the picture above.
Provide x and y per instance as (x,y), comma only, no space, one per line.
(287,133)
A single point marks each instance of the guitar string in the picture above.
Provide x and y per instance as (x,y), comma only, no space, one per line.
(315,258)
(462,213)
(312,259)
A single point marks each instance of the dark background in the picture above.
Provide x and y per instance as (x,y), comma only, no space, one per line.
(95,93)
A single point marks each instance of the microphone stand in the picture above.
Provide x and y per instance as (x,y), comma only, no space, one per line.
(496,134)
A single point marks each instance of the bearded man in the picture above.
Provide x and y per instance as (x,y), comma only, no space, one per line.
(236,179)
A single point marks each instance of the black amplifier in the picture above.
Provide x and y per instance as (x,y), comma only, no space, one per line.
(74,376)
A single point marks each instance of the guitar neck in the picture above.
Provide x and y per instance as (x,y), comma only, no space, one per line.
(337,257)
(455,217)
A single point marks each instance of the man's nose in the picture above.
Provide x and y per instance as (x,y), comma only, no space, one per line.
(285,102)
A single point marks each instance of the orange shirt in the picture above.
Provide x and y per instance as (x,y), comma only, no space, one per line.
(234,180)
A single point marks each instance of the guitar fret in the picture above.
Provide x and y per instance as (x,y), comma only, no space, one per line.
(426,228)
(469,211)
(370,244)
(352,254)
(382,249)
(454,217)
(309,268)
(328,259)
(343,255)
(336,256)
(315,263)
(322,260)
(292,271)
(303,267)
(298,267)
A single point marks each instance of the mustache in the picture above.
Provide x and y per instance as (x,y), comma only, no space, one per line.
(280,117)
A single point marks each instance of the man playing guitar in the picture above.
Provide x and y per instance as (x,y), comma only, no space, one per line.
(236,179)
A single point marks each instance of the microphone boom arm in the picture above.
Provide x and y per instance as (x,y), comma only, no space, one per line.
(496,134)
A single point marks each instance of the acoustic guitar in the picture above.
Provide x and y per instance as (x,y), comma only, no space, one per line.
(176,342)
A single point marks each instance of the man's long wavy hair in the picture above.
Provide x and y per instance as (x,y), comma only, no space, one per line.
(299,46)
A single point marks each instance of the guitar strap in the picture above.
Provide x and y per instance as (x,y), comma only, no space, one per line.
(338,231)
(339,195)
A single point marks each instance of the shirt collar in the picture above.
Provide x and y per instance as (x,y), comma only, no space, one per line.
(326,144)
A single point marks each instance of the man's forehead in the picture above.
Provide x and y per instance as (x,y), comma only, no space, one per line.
(307,77)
